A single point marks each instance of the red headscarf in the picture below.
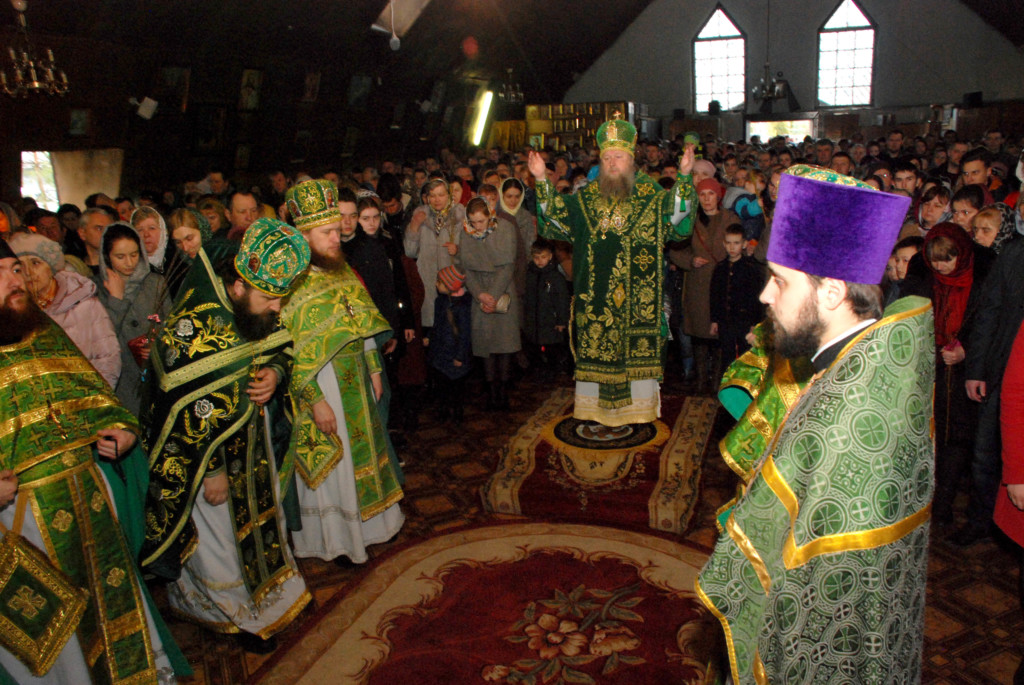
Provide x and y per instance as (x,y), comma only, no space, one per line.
(950,291)
(713,185)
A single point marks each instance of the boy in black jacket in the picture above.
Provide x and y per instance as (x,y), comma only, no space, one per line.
(735,287)
(546,306)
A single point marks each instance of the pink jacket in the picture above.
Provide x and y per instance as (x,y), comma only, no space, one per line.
(77,310)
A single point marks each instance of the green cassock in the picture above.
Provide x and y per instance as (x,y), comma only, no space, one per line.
(52,403)
(202,422)
(820,573)
(618,309)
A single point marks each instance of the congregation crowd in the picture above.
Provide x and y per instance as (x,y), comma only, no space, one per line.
(269,346)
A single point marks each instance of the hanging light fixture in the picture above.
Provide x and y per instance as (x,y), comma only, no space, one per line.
(29,74)
(510,92)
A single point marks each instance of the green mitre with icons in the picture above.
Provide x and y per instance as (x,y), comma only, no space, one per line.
(272,255)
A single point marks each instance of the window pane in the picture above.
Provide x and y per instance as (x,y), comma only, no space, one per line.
(719,71)
(844,74)
(718,26)
(847,15)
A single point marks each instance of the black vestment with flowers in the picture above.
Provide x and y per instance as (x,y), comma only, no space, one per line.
(202,423)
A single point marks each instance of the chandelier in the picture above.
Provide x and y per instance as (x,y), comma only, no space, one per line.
(511,92)
(28,74)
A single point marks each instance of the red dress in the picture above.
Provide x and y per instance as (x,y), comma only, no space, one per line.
(1011,422)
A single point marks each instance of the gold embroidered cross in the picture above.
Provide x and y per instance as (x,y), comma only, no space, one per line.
(56,413)
(27,602)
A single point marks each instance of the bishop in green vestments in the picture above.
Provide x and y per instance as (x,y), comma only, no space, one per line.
(618,226)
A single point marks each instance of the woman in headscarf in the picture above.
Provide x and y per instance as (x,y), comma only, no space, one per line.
(432,238)
(698,259)
(136,299)
(511,208)
(69,299)
(994,225)
(488,258)
(162,256)
(933,209)
(949,255)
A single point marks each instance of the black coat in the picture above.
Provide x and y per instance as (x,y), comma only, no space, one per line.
(735,289)
(545,305)
(998,317)
(370,260)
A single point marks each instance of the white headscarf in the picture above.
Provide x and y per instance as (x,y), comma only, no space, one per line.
(157,258)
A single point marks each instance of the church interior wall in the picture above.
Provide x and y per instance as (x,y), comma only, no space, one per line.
(926,52)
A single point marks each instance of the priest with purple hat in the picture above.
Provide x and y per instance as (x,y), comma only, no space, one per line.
(819,575)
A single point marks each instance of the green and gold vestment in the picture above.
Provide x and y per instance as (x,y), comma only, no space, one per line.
(203,423)
(618,310)
(820,573)
(52,403)
(329,315)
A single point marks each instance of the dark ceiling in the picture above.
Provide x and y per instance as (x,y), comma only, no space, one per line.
(546,42)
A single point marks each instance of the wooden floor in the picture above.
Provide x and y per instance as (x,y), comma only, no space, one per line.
(974,625)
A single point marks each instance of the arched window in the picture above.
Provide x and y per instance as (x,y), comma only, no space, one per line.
(719,60)
(846,51)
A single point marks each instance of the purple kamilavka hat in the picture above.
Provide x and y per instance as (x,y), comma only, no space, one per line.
(834,226)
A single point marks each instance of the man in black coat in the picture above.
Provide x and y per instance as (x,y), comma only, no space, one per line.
(996,323)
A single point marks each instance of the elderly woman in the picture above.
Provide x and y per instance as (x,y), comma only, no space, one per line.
(432,238)
(163,258)
(488,258)
(131,292)
(70,300)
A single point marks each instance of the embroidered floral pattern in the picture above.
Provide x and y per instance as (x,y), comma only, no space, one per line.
(580,628)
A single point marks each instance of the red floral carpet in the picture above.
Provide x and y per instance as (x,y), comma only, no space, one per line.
(547,473)
(520,603)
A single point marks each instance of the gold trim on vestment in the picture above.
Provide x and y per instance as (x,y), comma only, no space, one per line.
(255,352)
(62,408)
(729,646)
(287,617)
(740,383)
(644,410)
(749,551)
(760,674)
(785,381)
(377,508)
(34,368)
(794,556)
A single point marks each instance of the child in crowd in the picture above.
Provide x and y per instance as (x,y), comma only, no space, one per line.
(449,350)
(902,253)
(735,286)
(546,306)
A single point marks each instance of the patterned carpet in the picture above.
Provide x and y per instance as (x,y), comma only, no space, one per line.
(974,626)
(577,601)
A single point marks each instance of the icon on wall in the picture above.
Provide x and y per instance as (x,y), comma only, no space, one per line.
(249,96)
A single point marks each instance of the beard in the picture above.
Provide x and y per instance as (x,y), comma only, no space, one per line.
(327,262)
(616,187)
(253,326)
(19,322)
(804,337)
